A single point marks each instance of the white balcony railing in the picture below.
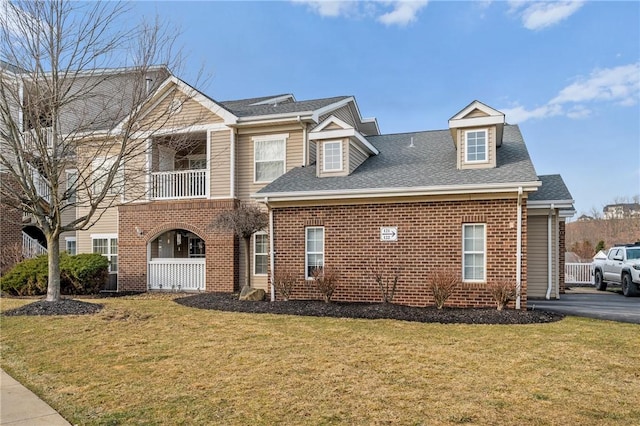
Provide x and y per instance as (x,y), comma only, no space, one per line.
(31,247)
(577,273)
(35,138)
(41,184)
(177,274)
(179,184)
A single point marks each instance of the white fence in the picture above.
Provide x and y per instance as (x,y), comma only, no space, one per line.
(179,184)
(36,142)
(577,273)
(177,274)
(31,247)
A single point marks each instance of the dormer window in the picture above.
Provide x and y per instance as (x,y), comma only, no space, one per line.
(332,156)
(476,146)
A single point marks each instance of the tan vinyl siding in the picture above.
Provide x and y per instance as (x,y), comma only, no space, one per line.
(191,113)
(312,152)
(245,154)
(220,163)
(476,113)
(343,113)
(537,257)
(333,126)
(108,224)
(257,281)
(491,149)
(356,157)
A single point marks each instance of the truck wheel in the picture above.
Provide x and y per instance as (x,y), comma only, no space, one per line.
(629,289)
(600,285)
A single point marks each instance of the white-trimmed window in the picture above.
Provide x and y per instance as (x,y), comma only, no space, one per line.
(474,257)
(314,250)
(269,154)
(102,167)
(260,253)
(476,146)
(72,185)
(106,245)
(70,245)
(332,156)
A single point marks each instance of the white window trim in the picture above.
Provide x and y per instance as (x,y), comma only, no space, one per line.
(279,137)
(306,249)
(67,174)
(324,156)
(486,146)
(255,253)
(108,237)
(484,252)
(67,240)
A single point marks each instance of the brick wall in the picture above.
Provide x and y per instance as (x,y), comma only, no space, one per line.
(10,227)
(561,252)
(154,218)
(429,237)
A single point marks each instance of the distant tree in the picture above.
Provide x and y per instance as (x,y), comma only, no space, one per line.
(584,249)
(600,246)
(244,221)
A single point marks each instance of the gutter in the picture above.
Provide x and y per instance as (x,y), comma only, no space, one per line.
(397,192)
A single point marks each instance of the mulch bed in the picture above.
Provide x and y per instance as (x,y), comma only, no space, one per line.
(230,303)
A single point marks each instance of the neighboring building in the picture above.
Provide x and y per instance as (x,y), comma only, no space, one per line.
(621,211)
(338,193)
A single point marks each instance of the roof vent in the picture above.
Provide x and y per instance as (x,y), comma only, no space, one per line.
(411,145)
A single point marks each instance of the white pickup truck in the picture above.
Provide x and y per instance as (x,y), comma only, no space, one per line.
(622,266)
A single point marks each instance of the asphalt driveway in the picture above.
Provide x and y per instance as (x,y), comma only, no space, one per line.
(588,302)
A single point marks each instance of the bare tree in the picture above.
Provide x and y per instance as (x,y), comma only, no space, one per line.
(244,221)
(76,82)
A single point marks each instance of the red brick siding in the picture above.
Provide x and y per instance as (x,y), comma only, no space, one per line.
(154,218)
(10,226)
(429,237)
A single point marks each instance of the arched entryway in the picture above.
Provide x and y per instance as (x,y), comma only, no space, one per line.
(176,261)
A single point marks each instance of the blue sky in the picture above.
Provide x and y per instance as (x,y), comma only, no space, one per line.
(567,72)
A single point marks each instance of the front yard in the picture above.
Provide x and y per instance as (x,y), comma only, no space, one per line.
(147,360)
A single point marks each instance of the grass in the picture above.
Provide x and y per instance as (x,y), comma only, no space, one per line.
(147,360)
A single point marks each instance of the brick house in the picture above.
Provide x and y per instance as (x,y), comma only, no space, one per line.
(338,193)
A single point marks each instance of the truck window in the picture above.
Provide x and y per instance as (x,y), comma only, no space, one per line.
(613,253)
(633,254)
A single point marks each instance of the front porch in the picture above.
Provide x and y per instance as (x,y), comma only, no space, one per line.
(177,262)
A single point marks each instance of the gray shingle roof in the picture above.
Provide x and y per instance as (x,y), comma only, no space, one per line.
(431,162)
(246,109)
(553,189)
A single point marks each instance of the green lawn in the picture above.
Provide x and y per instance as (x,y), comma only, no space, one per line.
(147,360)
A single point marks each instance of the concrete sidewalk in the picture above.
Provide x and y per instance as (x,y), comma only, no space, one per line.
(20,406)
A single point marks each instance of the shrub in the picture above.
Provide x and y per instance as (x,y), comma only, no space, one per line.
(81,274)
(442,283)
(387,284)
(283,281)
(502,292)
(325,280)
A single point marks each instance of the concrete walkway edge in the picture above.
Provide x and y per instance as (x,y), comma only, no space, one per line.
(19,406)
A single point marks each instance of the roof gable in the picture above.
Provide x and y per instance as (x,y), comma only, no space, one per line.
(476,114)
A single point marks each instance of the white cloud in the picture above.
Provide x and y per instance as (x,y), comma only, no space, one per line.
(539,15)
(402,13)
(617,85)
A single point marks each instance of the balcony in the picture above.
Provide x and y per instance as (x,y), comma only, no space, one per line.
(36,139)
(179,184)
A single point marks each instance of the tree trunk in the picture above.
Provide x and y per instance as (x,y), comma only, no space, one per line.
(53,287)
(247,262)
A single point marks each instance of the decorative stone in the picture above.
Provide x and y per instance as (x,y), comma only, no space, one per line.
(250,293)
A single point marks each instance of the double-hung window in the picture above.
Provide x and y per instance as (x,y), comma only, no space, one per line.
(332,156)
(260,244)
(70,245)
(72,185)
(474,252)
(107,245)
(476,146)
(314,248)
(269,154)
(102,169)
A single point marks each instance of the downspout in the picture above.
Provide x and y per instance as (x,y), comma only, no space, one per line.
(549,253)
(519,251)
(232,165)
(272,262)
